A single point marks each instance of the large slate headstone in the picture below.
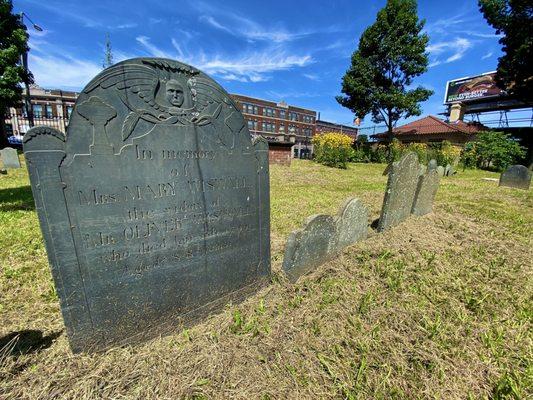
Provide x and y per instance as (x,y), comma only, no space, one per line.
(10,158)
(400,192)
(154,207)
(309,247)
(516,176)
(428,184)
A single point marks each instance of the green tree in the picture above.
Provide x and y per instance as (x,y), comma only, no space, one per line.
(492,150)
(513,19)
(13,45)
(391,53)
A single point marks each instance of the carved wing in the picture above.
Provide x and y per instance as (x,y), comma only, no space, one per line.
(137,79)
(209,100)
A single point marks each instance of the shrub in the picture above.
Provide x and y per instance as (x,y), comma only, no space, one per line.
(379,155)
(421,150)
(332,149)
(496,150)
(448,154)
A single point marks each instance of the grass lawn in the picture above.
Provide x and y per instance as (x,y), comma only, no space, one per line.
(438,307)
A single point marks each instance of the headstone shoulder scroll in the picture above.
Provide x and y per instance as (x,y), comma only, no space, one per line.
(154,206)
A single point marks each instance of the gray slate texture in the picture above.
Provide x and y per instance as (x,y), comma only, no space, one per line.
(309,247)
(440,170)
(432,165)
(351,224)
(155,205)
(400,192)
(323,236)
(516,176)
(10,158)
(428,184)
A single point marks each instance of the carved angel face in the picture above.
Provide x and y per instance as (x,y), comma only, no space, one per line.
(174,93)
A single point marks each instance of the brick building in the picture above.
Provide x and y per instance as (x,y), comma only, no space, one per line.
(277,122)
(325,126)
(431,129)
(51,107)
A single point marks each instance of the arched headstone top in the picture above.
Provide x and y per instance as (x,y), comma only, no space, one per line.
(137,96)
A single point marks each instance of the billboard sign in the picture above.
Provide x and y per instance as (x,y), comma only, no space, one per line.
(473,88)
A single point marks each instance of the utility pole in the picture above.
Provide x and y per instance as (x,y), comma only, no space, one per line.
(27,96)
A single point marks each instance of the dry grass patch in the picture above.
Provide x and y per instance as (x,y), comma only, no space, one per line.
(439,307)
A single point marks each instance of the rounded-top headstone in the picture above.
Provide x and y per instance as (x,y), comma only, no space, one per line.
(154,207)
(516,176)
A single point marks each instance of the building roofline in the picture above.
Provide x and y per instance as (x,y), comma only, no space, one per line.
(272,102)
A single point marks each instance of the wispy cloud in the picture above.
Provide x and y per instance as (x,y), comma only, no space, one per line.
(127,25)
(62,72)
(488,55)
(457,48)
(313,77)
(250,66)
(250,30)
(291,94)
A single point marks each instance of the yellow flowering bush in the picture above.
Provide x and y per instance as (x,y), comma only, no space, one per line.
(421,150)
(332,149)
(449,154)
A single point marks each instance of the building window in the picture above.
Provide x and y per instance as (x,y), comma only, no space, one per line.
(269,112)
(282,114)
(48,111)
(293,116)
(308,119)
(269,127)
(249,108)
(69,111)
(38,111)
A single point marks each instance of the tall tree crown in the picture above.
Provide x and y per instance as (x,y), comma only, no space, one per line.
(391,53)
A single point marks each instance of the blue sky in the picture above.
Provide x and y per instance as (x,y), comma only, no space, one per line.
(295,51)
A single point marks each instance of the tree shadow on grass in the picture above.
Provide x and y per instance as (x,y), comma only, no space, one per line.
(16,344)
(14,199)
(28,341)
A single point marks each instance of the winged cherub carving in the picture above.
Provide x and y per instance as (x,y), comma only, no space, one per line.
(163,92)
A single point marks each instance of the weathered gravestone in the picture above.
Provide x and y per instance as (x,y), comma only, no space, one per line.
(10,158)
(428,184)
(432,165)
(351,224)
(516,176)
(323,236)
(308,247)
(440,170)
(154,207)
(400,192)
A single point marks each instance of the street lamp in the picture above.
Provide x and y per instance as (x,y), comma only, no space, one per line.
(27,97)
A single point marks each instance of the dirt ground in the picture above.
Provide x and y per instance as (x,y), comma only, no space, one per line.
(439,307)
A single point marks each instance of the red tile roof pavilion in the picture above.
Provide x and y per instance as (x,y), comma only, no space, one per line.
(433,129)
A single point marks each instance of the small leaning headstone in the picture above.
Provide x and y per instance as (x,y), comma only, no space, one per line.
(400,192)
(516,176)
(309,247)
(155,205)
(432,165)
(351,224)
(428,184)
(440,170)
(10,158)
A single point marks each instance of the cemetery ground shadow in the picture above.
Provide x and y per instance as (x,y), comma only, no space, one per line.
(27,341)
(14,199)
